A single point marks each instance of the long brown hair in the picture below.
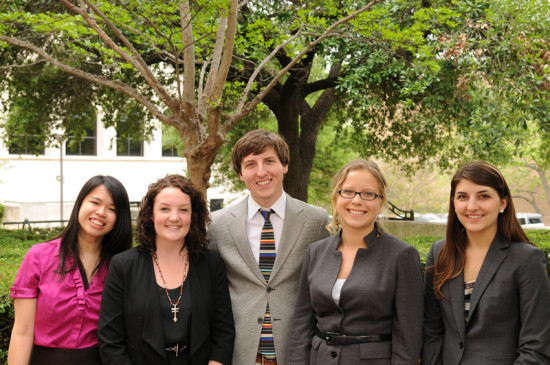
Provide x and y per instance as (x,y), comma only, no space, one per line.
(450,260)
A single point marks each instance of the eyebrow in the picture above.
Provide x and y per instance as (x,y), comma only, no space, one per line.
(478,192)
(168,203)
(99,199)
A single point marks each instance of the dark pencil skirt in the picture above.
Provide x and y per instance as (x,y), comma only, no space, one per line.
(56,356)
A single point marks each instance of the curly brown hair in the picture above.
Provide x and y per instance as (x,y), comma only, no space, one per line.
(196,240)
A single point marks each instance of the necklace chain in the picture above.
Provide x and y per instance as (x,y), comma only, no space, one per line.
(174,309)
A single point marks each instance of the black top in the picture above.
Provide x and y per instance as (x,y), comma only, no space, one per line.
(177,332)
(130,321)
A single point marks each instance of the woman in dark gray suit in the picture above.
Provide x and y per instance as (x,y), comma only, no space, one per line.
(360,294)
(487,296)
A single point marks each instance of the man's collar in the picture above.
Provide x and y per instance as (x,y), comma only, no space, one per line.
(279,206)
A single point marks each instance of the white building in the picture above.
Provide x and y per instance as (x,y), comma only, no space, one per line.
(30,186)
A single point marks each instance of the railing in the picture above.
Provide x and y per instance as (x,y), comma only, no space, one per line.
(400,214)
(28,223)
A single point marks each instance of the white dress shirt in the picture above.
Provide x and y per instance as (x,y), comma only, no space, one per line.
(255,223)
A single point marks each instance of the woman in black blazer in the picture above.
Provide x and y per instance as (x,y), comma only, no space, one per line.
(487,295)
(167,300)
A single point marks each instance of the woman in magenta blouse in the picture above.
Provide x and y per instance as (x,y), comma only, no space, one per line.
(58,288)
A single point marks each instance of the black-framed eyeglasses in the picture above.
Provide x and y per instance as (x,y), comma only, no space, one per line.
(365,195)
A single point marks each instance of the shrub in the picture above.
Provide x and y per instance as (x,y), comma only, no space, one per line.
(2,211)
(14,244)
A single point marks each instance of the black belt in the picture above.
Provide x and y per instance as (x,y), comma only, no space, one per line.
(335,338)
(177,348)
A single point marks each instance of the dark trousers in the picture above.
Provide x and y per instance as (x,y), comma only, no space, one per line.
(56,356)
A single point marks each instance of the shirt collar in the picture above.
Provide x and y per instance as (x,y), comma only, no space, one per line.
(279,206)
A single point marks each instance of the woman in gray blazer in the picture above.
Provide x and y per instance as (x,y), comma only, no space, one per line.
(487,295)
(360,294)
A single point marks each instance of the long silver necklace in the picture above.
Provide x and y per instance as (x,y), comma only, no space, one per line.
(174,308)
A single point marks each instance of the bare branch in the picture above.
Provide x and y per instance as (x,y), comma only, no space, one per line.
(135,60)
(113,84)
(215,63)
(188,53)
(214,111)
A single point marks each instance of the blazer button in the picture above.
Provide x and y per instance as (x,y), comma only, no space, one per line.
(260,320)
(269,289)
(339,311)
(333,354)
(461,345)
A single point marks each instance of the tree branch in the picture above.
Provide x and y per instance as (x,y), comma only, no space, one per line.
(242,112)
(214,110)
(113,84)
(188,55)
(134,60)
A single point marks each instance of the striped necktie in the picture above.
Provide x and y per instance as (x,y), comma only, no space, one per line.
(267,258)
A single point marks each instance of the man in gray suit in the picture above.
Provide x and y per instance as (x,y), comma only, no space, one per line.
(264,302)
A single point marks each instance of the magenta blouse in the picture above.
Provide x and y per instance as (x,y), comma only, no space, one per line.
(66,313)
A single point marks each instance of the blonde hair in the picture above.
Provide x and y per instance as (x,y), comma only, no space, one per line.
(360,164)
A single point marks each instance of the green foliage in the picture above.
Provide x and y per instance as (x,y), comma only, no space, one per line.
(224,175)
(332,154)
(421,82)
(2,211)
(422,244)
(14,244)
(455,81)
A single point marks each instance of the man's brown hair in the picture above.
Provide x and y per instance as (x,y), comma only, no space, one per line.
(256,142)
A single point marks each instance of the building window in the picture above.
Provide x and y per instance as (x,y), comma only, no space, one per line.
(26,145)
(170,152)
(171,142)
(86,147)
(128,146)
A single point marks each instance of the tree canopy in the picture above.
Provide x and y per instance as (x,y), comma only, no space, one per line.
(416,81)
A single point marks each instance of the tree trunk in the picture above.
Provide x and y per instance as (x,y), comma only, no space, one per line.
(200,155)
(299,123)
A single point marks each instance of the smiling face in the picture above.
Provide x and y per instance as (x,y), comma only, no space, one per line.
(263,176)
(97,215)
(357,214)
(477,207)
(171,215)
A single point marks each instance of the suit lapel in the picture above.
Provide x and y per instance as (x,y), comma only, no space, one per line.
(199,318)
(490,265)
(292,226)
(456,297)
(152,328)
(237,228)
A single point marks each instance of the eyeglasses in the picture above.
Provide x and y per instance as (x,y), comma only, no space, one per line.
(365,195)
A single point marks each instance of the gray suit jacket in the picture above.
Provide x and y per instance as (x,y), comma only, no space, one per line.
(303,224)
(382,295)
(509,311)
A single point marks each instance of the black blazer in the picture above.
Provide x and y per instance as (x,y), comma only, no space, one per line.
(509,311)
(130,329)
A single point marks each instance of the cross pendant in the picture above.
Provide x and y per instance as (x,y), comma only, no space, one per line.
(175,310)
